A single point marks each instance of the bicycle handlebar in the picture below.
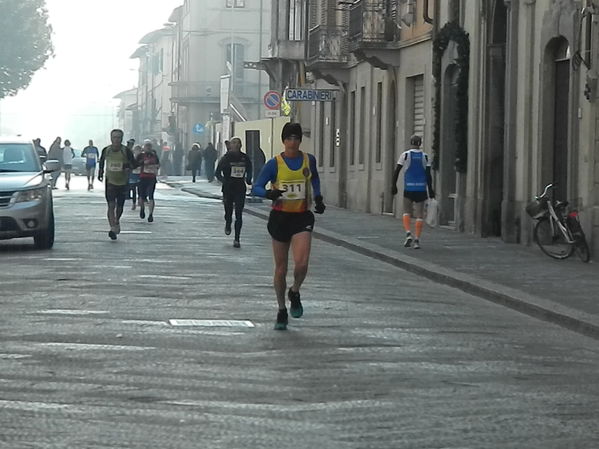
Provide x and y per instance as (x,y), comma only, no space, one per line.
(547,188)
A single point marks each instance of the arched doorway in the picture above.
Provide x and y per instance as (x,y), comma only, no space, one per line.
(391,156)
(555,152)
(494,149)
(448,198)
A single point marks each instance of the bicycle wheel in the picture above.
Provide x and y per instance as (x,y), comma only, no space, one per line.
(551,240)
(581,247)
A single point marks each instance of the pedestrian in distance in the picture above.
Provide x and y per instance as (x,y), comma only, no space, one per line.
(41,151)
(194,161)
(67,162)
(295,181)
(149,164)
(118,161)
(234,171)
(417,179)
(55,154)
(91,155)
(210,157)
(134,180)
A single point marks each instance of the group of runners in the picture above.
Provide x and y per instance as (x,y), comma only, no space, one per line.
(294,189)
(128,174)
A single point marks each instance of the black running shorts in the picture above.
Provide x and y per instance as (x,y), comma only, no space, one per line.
(116,193)
(147,187)
(284,225)
(416,197)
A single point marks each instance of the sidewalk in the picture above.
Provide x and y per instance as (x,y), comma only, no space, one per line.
(563,292)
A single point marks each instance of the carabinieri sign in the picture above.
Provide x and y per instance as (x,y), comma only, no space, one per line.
(310,95)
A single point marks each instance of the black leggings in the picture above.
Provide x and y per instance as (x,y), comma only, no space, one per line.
(234,200)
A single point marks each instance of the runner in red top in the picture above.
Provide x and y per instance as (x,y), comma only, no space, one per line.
(150,164)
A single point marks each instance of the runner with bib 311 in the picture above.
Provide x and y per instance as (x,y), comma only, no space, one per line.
(295,182)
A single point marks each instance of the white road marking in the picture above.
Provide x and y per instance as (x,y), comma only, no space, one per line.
(32,406)
(14,356)
(143,322)
(157,276)
(211,323)
(62,259)
(136,232)
(84,346)
(73,312)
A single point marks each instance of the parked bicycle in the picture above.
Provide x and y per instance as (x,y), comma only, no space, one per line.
(557,232)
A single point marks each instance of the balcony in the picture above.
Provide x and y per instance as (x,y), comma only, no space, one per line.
(327,45)
(373,32)
(328,53)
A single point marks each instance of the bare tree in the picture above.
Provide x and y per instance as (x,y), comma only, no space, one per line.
(25,43)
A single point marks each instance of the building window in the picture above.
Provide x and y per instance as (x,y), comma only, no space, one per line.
(379,121)
(418,118)
(296,17)
(235,3)
(362,126)
(320,150)
(333,128)
(352,128)
(235,54)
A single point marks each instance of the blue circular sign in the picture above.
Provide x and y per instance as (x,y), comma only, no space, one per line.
(198,128)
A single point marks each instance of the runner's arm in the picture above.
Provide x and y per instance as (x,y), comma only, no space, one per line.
(315,177)
(248,171)
(268,174)
(429,181)
(219,170)
(101,165)
(131,157)
(398,168)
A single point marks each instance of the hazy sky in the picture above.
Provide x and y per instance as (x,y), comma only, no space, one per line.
(72,96)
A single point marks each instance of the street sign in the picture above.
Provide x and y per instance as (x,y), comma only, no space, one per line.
(198,128)
(310,94)
(269,113)
(272,100)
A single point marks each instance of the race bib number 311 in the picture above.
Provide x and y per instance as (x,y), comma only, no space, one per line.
(294,190)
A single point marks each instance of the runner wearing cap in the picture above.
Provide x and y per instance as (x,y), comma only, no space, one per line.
(295,182)
(234,170)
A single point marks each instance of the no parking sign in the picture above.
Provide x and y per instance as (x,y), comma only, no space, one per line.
(272,103)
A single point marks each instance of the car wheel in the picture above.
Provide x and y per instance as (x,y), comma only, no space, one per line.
(45,239)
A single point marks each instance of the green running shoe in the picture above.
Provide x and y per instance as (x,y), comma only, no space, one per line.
(296,308)
(282,320)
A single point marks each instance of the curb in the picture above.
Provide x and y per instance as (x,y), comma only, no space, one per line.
(534,306)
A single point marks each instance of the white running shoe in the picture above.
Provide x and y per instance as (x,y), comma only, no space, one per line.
(416,244)
(408,241)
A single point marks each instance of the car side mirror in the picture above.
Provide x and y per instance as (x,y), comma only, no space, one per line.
(51,166)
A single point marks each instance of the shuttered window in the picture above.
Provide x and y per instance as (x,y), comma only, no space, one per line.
(418,106)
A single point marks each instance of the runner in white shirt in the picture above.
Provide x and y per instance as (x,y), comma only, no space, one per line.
(67,162)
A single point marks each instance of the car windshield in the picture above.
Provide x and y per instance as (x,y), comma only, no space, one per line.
(18,157)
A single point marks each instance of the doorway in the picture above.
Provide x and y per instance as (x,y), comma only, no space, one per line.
(448,194)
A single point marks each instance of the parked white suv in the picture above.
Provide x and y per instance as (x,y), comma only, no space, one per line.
(26,208)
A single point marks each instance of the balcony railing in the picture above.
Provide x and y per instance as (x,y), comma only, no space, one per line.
(372,24)
(327,44)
